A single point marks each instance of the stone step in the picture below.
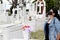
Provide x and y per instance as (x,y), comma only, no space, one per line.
(23,39)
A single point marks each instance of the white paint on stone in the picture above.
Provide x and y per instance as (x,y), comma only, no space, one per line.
(12,31)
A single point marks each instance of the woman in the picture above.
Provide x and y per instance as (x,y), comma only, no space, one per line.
(52,26)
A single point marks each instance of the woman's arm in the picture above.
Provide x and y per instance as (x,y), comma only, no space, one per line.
(57,25)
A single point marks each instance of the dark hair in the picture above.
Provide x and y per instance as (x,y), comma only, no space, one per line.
(54,10)
(56,13)
(49,13)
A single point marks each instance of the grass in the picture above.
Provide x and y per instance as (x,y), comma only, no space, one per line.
(37,35)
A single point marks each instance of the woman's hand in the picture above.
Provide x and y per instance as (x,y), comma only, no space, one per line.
(58,36)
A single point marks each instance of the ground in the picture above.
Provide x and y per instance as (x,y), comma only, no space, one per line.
(38,35)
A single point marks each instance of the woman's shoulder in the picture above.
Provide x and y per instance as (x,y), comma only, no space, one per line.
(56,20)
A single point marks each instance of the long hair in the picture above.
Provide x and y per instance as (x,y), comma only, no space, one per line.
(56,13)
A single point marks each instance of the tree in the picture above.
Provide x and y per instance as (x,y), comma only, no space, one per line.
(1,1)
(34,1)
(52,4)
(49,4)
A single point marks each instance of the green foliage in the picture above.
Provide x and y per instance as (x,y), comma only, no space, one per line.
(51,4)
(34,1)
(9,14)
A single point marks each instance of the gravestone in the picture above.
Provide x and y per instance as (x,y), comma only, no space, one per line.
(2,15)
(11,31)
(19,16)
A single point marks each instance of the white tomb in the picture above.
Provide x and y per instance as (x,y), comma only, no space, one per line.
(3,17)
(12,31)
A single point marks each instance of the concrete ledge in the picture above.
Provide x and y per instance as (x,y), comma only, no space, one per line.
(23,39)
